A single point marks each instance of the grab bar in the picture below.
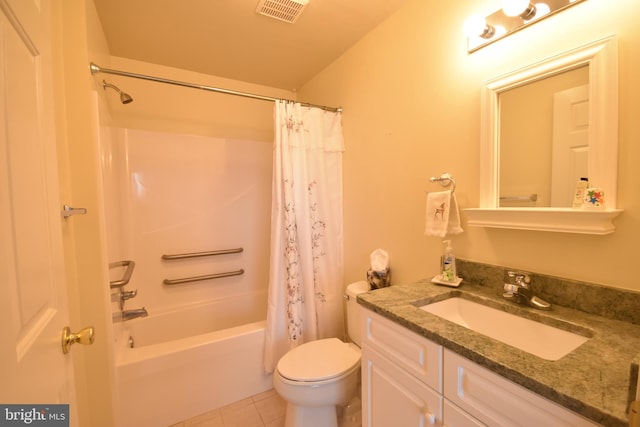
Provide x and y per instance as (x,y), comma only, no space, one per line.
(199,278)
(201,254)
(531,198)
(127,273)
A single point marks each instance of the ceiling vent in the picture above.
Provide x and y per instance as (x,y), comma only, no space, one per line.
(283,10)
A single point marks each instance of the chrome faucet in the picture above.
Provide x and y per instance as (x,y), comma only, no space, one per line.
(520,291)
(125,315)
(121,296)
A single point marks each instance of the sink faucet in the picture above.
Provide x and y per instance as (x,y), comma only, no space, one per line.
(129,314)
(520,291)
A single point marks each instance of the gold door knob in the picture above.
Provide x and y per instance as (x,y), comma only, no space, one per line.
(85,336)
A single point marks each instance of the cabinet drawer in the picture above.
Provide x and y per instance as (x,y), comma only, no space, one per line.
(412,352)
(497,401)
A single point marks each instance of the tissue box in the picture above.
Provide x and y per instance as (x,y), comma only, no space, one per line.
(378,279)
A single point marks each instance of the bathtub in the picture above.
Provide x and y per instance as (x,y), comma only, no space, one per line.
(189,361)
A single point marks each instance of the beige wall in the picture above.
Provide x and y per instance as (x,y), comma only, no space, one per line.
(411,99)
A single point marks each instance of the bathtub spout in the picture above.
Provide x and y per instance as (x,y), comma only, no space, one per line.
(130,314)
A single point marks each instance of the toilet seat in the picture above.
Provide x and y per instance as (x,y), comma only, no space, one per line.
(318,360)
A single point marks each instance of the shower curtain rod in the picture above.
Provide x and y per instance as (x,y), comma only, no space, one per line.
(98,69)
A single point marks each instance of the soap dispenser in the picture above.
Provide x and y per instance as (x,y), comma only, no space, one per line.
(448,263)
(578,196)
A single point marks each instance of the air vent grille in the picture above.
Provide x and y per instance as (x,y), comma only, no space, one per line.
(283,10)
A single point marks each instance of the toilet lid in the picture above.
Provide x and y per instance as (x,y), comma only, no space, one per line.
(318,360)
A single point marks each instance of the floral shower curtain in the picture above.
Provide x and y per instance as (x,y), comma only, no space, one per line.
(306,268)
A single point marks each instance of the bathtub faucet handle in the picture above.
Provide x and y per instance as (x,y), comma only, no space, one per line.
(125,295)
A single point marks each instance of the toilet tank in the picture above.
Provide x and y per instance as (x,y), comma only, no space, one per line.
(353,309)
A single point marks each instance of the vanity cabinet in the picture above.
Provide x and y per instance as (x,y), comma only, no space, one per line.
(408,380)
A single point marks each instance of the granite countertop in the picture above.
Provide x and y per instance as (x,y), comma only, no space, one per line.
(597,380)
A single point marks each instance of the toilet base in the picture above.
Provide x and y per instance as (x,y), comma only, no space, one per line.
(311,416)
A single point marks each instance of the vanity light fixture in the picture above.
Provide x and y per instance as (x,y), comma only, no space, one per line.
(522,8)
(476,26)
(513,16)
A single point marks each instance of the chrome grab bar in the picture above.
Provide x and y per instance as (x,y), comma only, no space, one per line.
(127,273)
(201,254)
(531,198)
(199,278)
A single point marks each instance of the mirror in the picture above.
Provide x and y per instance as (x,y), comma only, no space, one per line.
(543,134)
(599,61)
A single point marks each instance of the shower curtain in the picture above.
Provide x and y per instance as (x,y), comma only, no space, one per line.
(306,267)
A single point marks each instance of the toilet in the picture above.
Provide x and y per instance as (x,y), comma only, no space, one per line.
(317,377)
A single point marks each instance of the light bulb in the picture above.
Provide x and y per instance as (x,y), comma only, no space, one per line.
(521,8)
(476,26)
(542,9)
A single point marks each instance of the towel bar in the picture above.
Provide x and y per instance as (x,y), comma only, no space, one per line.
(201,254)
(199,278)
(445,180)
(531,198)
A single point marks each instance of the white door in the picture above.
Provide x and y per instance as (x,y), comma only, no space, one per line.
(570,143)
(33,300)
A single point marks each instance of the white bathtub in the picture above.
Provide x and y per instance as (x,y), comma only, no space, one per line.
(189,361)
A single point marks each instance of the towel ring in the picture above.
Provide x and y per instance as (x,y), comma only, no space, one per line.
(445,180)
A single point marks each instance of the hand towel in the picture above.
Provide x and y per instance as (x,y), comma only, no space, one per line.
(442,215)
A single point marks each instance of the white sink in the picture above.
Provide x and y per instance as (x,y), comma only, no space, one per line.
(541,340)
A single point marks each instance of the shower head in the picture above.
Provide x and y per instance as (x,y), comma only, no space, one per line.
(125,98)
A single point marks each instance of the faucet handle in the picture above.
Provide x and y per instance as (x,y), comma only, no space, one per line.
(520,278)
(125,295)
(509,290)
(128,294)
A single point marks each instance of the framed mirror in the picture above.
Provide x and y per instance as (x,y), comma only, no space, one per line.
(594,67)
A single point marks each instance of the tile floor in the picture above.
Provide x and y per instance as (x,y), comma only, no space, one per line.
(262,410)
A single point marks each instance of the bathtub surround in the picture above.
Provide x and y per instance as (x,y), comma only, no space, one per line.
(306,267)
(202,345)
(172,193)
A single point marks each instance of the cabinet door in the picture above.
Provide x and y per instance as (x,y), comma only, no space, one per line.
(456,417)
(392,397)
